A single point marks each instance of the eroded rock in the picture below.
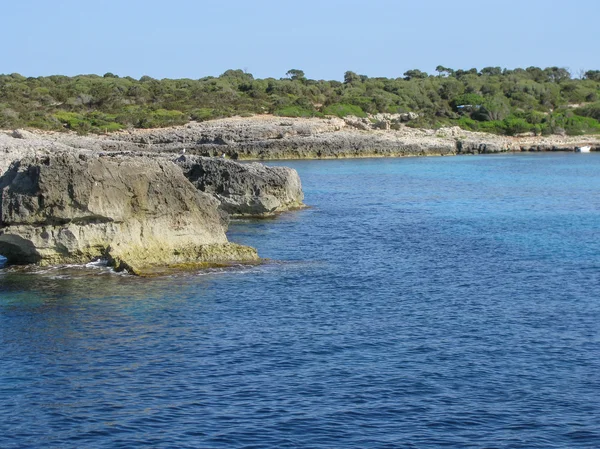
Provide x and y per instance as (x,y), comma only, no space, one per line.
(264,137)
(140,213)
(249,189)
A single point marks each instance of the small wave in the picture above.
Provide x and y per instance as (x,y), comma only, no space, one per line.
(98,267)
(98,263)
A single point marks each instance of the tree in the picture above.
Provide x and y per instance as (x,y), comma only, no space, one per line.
(557,74)
(351,77)
(495,108)
(444,71)
(468,100)
(295,75)
(415,73)
(460,73)
(237,74)
(451,88)
(593,75)
(491,71)
(94,103)
(536,74)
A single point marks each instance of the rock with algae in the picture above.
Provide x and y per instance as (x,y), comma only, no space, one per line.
(139,213)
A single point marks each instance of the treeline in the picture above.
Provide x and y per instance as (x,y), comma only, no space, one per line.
(542,101)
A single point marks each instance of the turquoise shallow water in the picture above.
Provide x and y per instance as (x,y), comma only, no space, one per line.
(426,302)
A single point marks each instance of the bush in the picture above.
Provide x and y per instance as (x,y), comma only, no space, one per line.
(161,118)
(493,126)
(515,125)
(343,110)
(490,126)
(472,100)
(203,114)
(468,123)
(590,110)
(71,120)
(95,122)
(532,117)
(112,127)
(91,103)
(295,111)
(576,126)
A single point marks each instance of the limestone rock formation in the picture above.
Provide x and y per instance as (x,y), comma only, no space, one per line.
(140,213)
(363,124)
(250,189)
(267,137)
(21,134)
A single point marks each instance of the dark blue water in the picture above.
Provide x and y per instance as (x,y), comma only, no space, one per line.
(420,303)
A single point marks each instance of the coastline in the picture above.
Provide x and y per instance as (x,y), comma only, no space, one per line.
(161,157)
(266,137)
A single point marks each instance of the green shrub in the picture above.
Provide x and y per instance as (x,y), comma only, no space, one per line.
(567,122)
(515,125)
(202,114)
(295,111)
(91,103)
(112,127)
(161,118)
(590,110)
(468,123)
(532,117)
(492,126)
(71,120)
(576,125)
(94,122)
(343,110)
(467,100)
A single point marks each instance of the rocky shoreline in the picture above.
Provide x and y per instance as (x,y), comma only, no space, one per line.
(149,200)
(144,213)
(267,137)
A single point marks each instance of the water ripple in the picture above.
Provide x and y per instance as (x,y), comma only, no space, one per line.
(436,303)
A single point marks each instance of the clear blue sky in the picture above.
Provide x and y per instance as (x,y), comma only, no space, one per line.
(325,38)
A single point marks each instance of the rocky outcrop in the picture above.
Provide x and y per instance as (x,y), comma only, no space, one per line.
(250,189)
(140,213)
(266,137)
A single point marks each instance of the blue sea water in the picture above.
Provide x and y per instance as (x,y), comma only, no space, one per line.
(419,303)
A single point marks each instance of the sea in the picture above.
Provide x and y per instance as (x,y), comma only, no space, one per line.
(436,302)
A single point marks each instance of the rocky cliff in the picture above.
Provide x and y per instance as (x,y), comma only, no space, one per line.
(140,213)
(250,189)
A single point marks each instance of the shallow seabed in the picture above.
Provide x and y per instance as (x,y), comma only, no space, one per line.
(420,303)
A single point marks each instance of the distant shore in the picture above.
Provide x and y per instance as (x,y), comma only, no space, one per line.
(266,137)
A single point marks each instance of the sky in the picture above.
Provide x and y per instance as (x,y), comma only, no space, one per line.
(324,38)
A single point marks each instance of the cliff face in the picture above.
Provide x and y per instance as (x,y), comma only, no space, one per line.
(140,213)
(244,189)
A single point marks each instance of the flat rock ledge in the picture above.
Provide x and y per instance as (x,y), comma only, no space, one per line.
(265,137)
(141,214)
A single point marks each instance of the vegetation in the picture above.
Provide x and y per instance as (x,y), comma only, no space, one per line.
(542,101)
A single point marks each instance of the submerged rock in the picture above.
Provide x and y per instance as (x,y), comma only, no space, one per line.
(250,189)
(139,213)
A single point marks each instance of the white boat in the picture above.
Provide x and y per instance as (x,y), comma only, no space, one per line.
(585,149)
